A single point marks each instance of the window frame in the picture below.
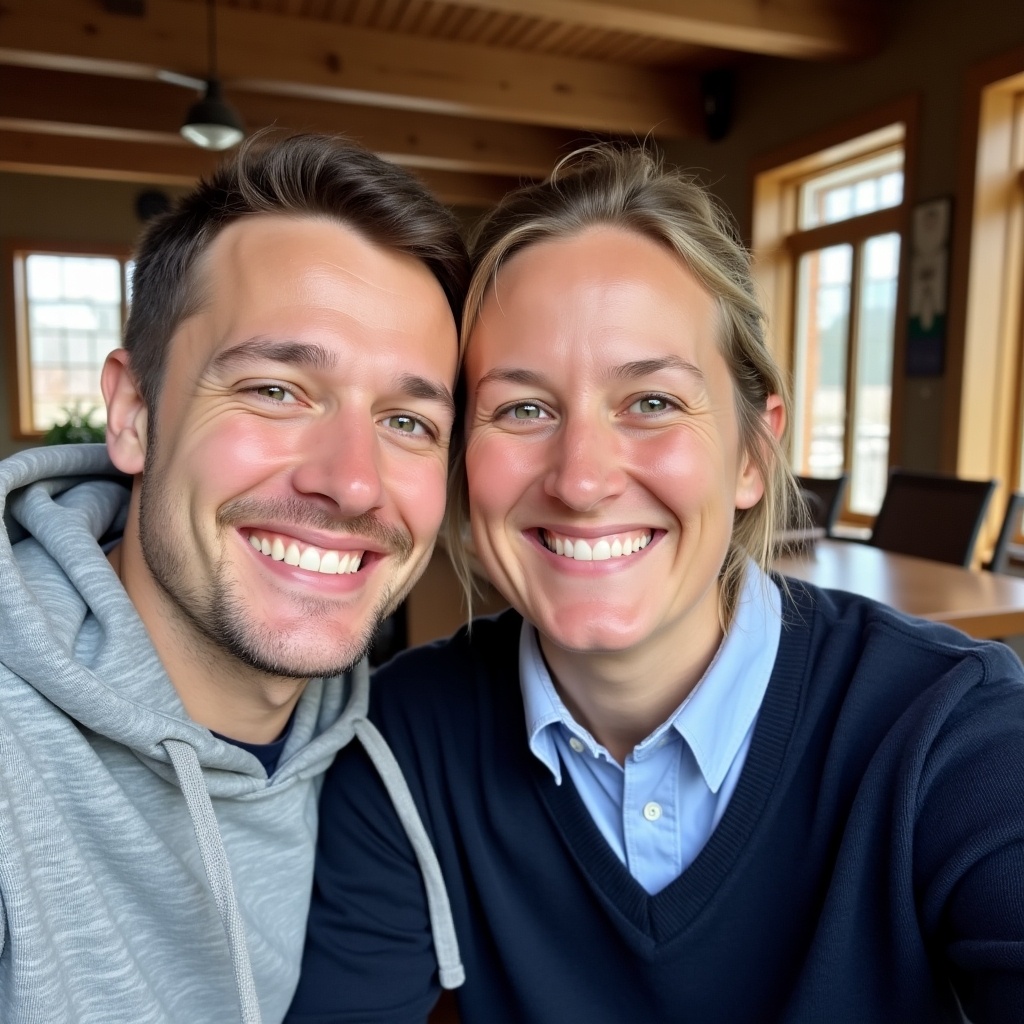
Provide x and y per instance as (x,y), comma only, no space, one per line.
(15,253)
(778,244)
(983,423)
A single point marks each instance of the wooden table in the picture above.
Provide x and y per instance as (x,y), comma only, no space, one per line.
(983,604)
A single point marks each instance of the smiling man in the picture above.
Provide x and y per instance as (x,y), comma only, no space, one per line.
(183,615)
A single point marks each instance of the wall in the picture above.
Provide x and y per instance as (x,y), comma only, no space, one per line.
(929,46)
(35,208)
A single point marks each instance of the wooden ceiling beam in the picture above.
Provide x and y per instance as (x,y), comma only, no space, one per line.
(315,59)
(83,156)
(807,29)
(73,103)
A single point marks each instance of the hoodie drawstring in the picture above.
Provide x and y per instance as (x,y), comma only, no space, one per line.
(450,971)
(218,871)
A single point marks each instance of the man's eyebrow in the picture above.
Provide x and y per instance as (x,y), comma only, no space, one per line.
(299,353)
(319,357)
(421,387)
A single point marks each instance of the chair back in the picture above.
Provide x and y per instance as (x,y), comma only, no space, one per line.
(931,515)
(824,499)
(1013,523)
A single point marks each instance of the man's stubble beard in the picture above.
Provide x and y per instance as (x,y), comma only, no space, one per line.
(218,613)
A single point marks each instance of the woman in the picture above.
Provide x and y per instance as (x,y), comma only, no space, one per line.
(667,785)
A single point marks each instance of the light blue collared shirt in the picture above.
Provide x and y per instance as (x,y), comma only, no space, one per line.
(659,809)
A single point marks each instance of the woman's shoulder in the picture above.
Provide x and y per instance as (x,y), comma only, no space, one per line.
(477,654)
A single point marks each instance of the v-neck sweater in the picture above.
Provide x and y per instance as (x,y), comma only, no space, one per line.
(869,867)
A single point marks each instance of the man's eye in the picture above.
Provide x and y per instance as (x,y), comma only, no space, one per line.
(406,424)
(276,392)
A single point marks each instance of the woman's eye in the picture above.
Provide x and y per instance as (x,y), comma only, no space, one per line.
(650,404)
(526,411)
(406,424)
(275,392)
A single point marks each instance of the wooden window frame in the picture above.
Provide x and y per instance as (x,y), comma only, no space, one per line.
(982,417)
(777,243)
(16,328)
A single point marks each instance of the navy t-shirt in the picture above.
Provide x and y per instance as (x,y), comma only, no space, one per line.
(268,754)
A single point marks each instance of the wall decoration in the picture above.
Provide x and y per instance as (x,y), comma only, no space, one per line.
(929,276)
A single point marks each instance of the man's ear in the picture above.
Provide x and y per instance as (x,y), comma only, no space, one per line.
(750,486)
(127,417)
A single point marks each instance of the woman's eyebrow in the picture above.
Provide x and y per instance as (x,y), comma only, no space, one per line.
(645,367)
(299,353)
(510,375)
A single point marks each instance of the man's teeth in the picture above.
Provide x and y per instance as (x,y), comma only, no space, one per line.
(596,551)
(330,563)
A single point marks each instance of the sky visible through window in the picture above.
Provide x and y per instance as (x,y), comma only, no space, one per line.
(74,319)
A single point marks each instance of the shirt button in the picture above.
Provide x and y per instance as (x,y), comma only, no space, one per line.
(652,811)
(576,745)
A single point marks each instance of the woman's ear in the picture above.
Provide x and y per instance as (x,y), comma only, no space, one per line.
(127,417)
(750,486)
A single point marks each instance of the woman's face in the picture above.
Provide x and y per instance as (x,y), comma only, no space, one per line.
(603,451)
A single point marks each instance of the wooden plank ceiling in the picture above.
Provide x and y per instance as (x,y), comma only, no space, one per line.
(473,95)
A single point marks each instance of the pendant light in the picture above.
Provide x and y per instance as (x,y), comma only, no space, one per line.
(212,122)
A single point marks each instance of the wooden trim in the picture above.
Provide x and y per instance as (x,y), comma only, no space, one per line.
(16,300)
(287,55)
(64,103)
(853,231)
(178,163)
(804,29)
(980,246)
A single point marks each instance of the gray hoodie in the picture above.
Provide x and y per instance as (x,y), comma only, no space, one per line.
(149,871)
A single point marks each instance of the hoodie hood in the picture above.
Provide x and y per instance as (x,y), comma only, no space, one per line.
(69,629)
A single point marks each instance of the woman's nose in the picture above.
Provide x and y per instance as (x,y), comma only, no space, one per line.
(586,466)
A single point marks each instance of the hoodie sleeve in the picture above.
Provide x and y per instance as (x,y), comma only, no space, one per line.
(369,956)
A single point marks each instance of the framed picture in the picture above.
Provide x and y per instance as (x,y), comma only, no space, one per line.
(929,283)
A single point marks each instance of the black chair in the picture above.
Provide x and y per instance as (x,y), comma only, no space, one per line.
(1013,524)
(931,516)
(824,499)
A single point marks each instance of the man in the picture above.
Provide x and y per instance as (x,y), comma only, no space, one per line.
(175,643)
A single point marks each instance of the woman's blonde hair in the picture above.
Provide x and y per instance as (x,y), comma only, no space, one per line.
(629,188)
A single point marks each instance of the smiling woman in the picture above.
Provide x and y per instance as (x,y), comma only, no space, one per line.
(668,781)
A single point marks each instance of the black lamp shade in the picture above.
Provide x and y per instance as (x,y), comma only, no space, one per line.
(212,122)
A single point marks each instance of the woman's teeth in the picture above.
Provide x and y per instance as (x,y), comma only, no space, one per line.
(596,550)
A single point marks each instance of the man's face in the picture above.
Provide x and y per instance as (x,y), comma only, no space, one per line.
(295,462)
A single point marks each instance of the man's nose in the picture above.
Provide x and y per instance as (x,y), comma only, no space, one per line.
(340,460)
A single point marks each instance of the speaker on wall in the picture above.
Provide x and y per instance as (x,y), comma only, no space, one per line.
(717,89)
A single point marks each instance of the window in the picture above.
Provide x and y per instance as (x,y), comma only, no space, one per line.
(69,309)
(827,231)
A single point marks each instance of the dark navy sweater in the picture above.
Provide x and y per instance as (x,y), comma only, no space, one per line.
(869,865)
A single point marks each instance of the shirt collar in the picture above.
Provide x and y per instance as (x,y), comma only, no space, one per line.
(716,715)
